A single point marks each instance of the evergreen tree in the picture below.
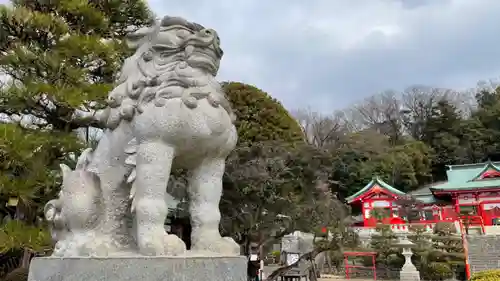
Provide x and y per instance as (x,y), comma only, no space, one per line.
(384,243)
(58,59)
(440,255)
(259,117)
(448,256)
(442,134)
(484,126)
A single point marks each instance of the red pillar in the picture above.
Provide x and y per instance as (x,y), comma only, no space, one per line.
(466,253)
(346,265)
(480,211)
(374,268)
(457,207)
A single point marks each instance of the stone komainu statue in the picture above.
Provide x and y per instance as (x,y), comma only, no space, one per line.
(166,111)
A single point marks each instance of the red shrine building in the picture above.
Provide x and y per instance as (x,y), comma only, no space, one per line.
(471,195)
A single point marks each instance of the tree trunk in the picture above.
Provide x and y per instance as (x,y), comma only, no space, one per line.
(329,262)
(22,214)
(313,275)
(246,245)
(25,260)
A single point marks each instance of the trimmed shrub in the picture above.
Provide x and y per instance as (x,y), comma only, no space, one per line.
(259,117)
(487,275)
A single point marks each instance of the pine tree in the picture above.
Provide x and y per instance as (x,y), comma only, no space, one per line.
(448,255)
(58,58)
(438,255)
(483,128)
(442,134)
(384,243)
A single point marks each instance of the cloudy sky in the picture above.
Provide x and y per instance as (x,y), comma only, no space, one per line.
(330,53)
(327,54)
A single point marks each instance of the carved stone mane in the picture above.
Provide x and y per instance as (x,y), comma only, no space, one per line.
(161,69)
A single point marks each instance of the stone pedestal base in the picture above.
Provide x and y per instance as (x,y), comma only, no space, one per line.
(409,275)
(139,269)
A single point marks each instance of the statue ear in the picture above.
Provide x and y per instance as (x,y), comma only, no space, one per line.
(65,170)
(50,209)
(84,159)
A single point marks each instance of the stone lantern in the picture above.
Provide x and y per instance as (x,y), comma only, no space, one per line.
(409,272)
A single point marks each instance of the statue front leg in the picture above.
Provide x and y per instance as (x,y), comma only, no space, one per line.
(154,161)
(205,190)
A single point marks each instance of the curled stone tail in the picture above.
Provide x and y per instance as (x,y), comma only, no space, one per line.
(131,151)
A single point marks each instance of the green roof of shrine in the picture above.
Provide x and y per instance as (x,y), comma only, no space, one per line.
(375,181)
(465,177)
(425,195)
(460,177)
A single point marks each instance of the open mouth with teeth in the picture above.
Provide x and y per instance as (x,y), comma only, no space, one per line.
(205,51)
(204,57)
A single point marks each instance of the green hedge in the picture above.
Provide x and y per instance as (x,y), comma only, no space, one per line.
(487,275)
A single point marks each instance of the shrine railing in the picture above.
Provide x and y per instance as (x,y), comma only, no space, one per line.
(428,225)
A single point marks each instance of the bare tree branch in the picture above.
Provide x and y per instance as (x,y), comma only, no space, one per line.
(380,112)
(320,130)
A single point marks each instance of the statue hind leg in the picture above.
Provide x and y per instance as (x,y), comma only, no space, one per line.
(154,161)
(205,190)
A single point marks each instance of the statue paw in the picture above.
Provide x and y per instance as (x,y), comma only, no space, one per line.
(160,244)
(217,244)
(173,245)
(59,249)
(99,246)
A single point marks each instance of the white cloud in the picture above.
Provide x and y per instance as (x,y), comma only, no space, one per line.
(329,53)
(335,52)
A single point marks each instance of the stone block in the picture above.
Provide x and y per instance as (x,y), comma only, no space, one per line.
(408,275)
(224,268)
(290,244)
(484,252)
